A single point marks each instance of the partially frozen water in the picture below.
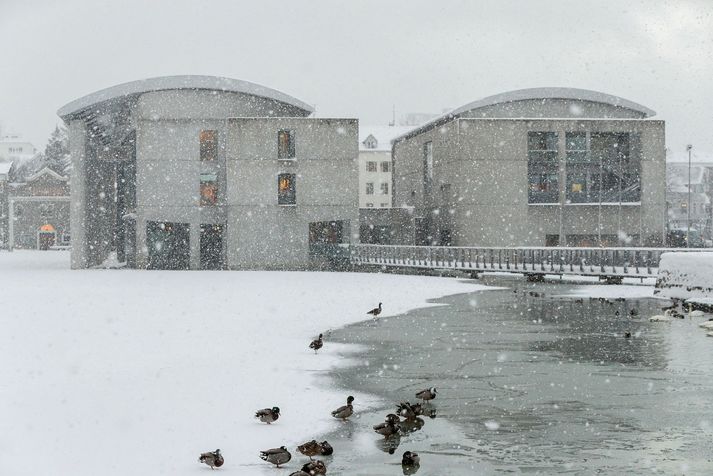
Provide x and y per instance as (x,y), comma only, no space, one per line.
(535,385)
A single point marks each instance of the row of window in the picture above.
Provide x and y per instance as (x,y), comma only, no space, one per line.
(599,167)
(371,205)
(14,150)
(209,145)
(384,188)
(371,166)
(286,191)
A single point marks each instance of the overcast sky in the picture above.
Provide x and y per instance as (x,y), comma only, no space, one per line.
(359,58)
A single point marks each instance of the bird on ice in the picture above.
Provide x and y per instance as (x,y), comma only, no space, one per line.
(316,344)
(344,411)
(212,458)
(276,456)
(268,415)
(376,311)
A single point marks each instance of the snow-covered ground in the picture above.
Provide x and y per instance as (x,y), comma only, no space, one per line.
(134,372)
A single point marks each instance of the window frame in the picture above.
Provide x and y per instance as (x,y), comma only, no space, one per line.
(369,188)
(205,198)
(290,153)
(208,148)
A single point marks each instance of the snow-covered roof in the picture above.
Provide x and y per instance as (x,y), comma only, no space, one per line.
(383,135)
(46,171)
(534,94)
(212,83)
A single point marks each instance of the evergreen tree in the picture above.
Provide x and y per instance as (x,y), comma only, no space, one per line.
(56,155)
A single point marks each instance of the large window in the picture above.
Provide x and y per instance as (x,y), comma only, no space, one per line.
(209,145)
(601,168)
(286,191)
(542,167)
(370,188)
(385,188)
(209,189)
(385,166)
(371,166)
(286,144)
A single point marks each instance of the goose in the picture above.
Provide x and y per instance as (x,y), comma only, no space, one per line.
(345,411)
(276,456)
(314,467)
(410,459)
(389,427)
(408,411)
(268,415)
(427,394)
(316,344)
(666,317)
(376,311)
(212,458)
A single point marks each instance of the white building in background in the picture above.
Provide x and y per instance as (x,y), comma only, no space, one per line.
(375,183)
(12,147)
(701,197)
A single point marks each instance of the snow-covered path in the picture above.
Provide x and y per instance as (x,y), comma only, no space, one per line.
(134,372)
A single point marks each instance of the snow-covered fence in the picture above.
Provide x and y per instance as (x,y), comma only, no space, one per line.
(605,262)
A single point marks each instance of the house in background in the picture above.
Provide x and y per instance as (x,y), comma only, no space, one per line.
(535,167)
(210,173)
(38,211)
(701,196)
(13,147)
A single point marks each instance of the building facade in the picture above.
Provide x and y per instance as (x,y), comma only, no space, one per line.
(38,212)
(375,175)
(535,167)
(210,173)
(700,213)
(13,147)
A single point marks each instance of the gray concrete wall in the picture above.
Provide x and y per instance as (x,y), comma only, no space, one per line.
(485,163)
(263,234)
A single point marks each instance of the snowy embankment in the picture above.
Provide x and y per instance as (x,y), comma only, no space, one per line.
(134,372)
(685,275)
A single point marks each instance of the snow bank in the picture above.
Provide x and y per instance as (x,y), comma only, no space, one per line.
(685,275)
(134,372)
(612,291)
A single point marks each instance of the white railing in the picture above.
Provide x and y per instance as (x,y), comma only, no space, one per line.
(614,262)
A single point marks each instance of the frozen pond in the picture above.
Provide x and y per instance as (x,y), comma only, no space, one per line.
(535,384)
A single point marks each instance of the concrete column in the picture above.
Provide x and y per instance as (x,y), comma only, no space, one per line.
(195,245)
(11,225)
(562,156)
(78,204)
(142,256)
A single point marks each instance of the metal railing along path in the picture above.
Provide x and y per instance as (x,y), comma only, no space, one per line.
(603,262)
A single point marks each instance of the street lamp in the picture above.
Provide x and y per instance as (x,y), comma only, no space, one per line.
(688,207)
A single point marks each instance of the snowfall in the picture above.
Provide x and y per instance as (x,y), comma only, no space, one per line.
(121,372)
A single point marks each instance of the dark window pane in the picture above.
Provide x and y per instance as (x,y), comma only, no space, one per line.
(285,144)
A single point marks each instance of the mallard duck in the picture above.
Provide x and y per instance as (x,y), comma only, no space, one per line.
(276,456)
(299,473)
(212,458)
(326,448)
(314,467)
(389,427)
(427,394)
(311,448)
(376,311)
(268,415)
(345,411)
(408,411)
(410,459)
(316,344)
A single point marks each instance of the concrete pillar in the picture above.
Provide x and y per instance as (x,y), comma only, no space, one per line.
(142,256)
(11,225)
(78,204)
(562,156)
(195,245)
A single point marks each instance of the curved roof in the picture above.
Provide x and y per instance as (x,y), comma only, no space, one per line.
(162,83)
(535,94)
(555,93)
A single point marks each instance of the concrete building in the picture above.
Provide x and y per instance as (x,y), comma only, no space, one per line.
(203,172)
(4,173)
(535,167)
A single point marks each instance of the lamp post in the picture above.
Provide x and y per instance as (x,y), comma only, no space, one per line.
(688,207)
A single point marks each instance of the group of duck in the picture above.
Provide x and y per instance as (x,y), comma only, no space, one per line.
(392,426)
(672,312)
